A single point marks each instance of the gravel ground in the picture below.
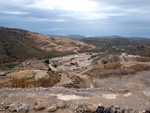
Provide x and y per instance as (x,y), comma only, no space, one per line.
(138,100)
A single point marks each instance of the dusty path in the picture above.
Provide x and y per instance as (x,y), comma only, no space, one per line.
(133,99)
(64,80)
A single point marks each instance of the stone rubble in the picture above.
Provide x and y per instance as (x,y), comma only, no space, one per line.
(13,107)
(77,107)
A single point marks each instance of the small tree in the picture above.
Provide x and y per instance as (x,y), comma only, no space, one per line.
(49,69)
(55,65)
(46,61)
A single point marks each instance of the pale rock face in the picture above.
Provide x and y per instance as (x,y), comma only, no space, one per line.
(52,108)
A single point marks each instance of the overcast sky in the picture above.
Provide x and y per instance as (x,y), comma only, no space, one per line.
(84,17)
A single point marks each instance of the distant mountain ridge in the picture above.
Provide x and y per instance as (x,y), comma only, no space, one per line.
(80,37)
(116,36)
(76,37)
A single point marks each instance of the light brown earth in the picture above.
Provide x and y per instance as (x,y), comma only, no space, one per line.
(128,91)
(49,43)
(138,100)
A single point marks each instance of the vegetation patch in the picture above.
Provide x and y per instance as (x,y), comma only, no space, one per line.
(118,45)
(46,61)
(6,66)
(112,65)
(47,81)
(116,69)
(143,59)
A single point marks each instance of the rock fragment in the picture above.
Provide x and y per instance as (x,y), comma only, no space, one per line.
(90,108)
(60,104)
(38,105)
(2,108)
(147,111)
(52,108)
(23,108)
(100,109)
(111,109)
(13,107)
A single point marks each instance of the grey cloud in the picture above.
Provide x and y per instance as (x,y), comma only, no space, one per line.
(111,17)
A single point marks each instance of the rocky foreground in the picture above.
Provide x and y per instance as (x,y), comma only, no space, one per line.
(64,100)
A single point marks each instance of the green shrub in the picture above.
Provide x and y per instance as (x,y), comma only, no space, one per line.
(72,63)
(104,62)
(49,69)
(46,61)
(55,65)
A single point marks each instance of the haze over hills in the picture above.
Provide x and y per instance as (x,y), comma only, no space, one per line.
(76,37)
(80,37)
(18,45)
(116,36)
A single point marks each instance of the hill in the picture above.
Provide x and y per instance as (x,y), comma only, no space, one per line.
(139,46)
(19,45)
(116,36)
(75,37)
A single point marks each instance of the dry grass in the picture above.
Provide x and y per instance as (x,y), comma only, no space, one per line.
(47,81)
(95,69)
(140,67)
(22,74)
(112,65)
(137,59)
(104,67)
(115,69)
(143,59)
(117,72)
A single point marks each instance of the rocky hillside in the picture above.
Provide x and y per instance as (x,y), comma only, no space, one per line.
(19,45)
(49,43)
(136,46)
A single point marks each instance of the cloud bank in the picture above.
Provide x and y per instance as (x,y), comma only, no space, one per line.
(85,17)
